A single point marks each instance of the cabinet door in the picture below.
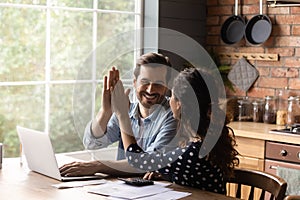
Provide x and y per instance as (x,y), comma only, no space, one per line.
(251,163)
(249,147)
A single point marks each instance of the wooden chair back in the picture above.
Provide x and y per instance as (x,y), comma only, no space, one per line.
(292,197)
(271,186)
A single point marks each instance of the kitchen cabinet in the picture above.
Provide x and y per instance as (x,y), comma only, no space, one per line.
(251,141)
(251,153)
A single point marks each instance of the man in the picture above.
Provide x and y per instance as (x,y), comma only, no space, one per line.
(152,120)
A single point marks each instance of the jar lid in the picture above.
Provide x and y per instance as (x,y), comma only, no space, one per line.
(269,97)
(293,98)
(258,102)
(243,101)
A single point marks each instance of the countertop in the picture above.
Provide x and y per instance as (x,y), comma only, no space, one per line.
(261,131)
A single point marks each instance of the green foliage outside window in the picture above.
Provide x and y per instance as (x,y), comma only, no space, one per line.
(41,45)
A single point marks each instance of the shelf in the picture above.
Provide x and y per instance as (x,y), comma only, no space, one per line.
(250,56)
(283,3)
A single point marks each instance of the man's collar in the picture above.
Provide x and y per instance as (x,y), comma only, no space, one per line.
(135,113)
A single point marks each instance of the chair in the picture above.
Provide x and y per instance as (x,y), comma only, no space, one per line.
(292,197)
(271,186)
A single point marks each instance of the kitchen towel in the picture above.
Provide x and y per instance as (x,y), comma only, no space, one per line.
(243,74)
(292,177)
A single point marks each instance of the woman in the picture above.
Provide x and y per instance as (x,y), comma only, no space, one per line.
(183,165)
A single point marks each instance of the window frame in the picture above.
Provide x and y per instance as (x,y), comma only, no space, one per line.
(48,82)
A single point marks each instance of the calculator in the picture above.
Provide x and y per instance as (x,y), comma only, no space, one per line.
(137,181)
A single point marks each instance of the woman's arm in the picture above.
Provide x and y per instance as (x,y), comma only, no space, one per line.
(120,102)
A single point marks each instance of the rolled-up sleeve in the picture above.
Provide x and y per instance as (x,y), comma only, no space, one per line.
(111,135)
(91,142)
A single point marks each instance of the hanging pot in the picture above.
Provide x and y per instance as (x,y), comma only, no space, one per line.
(258,28)
(233,28)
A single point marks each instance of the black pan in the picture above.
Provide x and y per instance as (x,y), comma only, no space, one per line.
(258,28)
(233,28)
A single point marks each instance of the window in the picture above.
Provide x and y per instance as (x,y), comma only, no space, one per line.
(50,62)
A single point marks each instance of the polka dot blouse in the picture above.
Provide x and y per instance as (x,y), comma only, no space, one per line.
(183,166)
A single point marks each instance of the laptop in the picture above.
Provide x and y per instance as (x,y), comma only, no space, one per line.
(40,156)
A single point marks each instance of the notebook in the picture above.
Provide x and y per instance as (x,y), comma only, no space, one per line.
(41,158)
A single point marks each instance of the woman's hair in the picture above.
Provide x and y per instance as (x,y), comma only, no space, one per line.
(191,90)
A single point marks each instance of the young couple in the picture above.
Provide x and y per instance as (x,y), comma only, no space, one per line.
(159,139)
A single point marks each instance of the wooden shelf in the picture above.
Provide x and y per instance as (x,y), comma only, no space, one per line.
(283,3)
(250,56)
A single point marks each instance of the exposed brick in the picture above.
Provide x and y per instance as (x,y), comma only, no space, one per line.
(287,19)
(225,49)
(250,9)
(269,42)
(212,2)
(213,20)
(297,52)
(281,51)
(213,40)
(286,41)
(226,2)
(263,71)
(292,72)
(236,92)
(261,92)
(213,30)
(295,10)
(294,83)
(264,63)
(267,82)
(279,10)
(281,30)
(292,62)
(279,72)
(252,49)
(251,2)
(296,30)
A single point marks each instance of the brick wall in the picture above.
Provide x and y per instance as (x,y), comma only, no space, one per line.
(284,41)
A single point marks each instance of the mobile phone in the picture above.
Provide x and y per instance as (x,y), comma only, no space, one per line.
(137,181)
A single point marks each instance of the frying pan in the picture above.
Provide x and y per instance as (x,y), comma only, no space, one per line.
(233,28)
(258,28)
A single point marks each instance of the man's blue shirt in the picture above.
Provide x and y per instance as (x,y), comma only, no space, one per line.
(151,133)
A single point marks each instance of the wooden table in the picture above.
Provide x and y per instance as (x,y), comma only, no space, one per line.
(18,182)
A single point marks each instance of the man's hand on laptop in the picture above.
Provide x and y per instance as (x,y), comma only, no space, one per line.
(80,168)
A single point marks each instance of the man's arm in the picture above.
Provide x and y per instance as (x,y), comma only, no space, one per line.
(100,123)
(111,167)
(95,130)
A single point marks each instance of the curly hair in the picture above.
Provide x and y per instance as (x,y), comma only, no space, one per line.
(190,88)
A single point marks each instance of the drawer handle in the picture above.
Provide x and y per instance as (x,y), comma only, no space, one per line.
(273,167)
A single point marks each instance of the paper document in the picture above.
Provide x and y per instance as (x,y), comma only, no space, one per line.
(73,184)
(168,195)
(119,189)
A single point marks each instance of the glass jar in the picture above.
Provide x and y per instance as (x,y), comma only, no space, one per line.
(281,113)
(293,111)
(269,116)
(245,113)
(297,113)
(258,107)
